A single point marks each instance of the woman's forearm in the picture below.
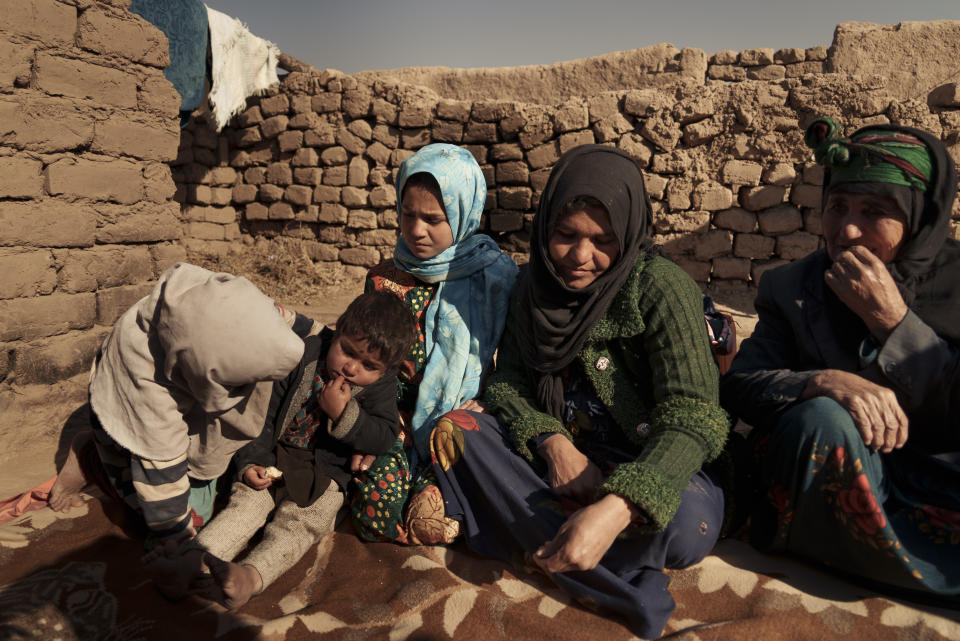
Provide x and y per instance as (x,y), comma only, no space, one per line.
(570,472)
(622,511)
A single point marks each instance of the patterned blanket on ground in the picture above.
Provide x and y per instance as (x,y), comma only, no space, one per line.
(78,576)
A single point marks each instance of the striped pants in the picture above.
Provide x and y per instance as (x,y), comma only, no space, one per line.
(159,492)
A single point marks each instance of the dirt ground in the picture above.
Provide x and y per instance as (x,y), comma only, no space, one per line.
(53,414)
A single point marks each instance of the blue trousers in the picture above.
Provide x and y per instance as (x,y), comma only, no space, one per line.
(507,511)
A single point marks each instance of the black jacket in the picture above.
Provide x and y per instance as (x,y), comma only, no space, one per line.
(795,337)
(369,423)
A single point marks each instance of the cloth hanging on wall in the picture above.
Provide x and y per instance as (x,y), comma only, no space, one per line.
(241,65)
(184,23)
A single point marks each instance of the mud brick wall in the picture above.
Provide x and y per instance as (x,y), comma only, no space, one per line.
(91,212)
(766,64)
(88,125)
(733,187)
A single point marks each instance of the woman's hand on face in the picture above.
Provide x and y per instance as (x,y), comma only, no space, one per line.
(571,473)
(875,410)
(473,405)
(863,283)
(586,536)
(256,477)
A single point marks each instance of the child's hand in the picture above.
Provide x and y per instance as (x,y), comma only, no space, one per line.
(334,397)
(360,462)
(256,477)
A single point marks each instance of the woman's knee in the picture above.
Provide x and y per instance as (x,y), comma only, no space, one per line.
(446,438)
(821,420)
(696,526)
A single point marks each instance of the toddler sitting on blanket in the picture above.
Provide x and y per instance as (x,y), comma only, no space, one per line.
(340,398)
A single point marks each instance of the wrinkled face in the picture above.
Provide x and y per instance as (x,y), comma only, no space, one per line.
(582,246)
(424,222)
(348,355)
(875,222)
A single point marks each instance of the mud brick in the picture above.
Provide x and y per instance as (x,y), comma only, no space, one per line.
(741,172)
(107,179)
(780,220)
(85,80)
(713,244)
(753,246)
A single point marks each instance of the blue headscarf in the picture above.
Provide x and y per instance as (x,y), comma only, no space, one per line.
(465,318)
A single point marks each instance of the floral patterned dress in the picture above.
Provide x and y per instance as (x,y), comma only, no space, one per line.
(884,519)
(393,502)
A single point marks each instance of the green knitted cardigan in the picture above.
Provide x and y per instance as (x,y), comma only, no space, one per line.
(661,373)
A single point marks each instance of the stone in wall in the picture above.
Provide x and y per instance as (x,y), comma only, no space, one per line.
(87,219)
(733,189)
(912,57)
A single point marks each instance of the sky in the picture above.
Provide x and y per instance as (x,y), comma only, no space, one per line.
(357,35)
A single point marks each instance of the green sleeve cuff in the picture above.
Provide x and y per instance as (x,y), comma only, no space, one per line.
(498,391)
(647,489)
(686,433)
(530,426)
(518,416)
(702,420)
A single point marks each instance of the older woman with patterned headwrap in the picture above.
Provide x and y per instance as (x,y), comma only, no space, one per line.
(852,377)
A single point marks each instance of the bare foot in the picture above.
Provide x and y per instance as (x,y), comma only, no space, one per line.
(230,584)
(65,493)
(173,569)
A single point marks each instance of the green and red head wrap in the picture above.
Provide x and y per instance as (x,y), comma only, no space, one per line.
(873,155)
(911,167)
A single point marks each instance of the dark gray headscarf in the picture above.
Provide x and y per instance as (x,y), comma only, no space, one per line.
(554,320)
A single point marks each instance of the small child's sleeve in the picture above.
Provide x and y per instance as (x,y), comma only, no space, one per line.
(370,422)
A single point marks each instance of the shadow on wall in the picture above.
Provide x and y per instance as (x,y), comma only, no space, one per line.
(77,423)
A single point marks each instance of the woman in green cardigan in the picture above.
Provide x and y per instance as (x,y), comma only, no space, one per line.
(604,406)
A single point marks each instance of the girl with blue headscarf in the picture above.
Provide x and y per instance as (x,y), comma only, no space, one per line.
(457,283)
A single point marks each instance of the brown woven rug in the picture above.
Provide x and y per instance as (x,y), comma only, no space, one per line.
(78,576)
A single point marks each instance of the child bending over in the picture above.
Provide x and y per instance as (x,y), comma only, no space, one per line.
(341,398)
(182,382)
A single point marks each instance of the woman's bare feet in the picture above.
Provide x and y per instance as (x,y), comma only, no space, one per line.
(173,569)
(230,584)
(65,493)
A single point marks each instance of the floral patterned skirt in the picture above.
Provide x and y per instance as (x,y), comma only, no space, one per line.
(392,503)
(892,519)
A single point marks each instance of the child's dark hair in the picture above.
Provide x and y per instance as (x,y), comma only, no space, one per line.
(384,321)
(425,180)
